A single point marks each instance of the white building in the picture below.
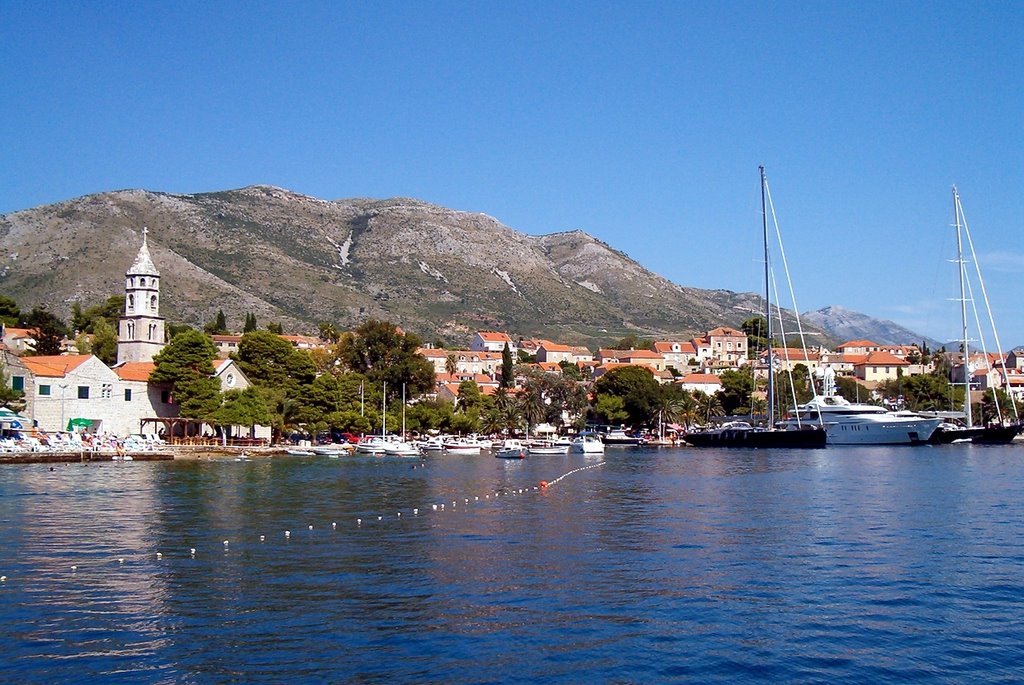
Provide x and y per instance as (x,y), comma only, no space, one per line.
(140,332)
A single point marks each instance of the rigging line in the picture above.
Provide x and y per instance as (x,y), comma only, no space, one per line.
(991,318)
(796,311)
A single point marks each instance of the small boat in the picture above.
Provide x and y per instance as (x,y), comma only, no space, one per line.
(462,446)
(400,448)
(511,449)
(619,438)
(546,448)
(333,450)
(300,453)
(375,446)
(588,443)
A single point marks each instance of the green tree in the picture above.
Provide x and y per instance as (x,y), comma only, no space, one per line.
(451,364)
(384,354)
(104,341)
(47,329)
(734,396)
(109,311)
(636,386)
(250,323)
(329,332)
(275,327)
(10,313)
(218,326)
(634,342)
(611,409)
(242,408)
(186,365)
(756,329)
(709,405)
(507,377)
(570,371)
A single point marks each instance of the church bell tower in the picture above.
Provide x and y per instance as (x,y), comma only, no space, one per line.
(140,333)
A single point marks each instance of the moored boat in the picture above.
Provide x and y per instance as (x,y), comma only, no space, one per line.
(511,449)
(587,443)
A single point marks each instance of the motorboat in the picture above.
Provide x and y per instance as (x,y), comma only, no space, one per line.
(546,448)
(462,446)
(332,450)
(587,443)
(511,449)
(400,448)
(375,446)
(619,438)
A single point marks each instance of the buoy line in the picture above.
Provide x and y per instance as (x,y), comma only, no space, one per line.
(455,505)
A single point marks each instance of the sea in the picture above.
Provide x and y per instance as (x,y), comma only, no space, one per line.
(847,564)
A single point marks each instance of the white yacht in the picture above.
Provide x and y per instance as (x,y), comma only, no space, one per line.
(854,423)
(588,443)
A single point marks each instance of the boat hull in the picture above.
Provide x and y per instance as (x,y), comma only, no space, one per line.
(987,435)
(882,432)
(810,438)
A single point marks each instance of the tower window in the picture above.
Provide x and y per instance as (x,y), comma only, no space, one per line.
(152,303)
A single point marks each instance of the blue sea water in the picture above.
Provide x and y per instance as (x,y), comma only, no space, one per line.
(672,565)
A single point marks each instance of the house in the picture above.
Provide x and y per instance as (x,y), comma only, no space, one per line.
(728,345)
(554,353)
(636,357)
(580,354)
(787,358)
(707,383)
(17,340)
(677,353)
(879,366)
(60,388)
(491,341)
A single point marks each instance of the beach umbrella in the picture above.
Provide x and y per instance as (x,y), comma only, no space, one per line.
(12,418)
(78,423)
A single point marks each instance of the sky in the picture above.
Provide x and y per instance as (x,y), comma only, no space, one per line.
(641,123)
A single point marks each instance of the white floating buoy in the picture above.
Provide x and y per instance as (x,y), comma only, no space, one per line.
(121,560)
(476,499)
(380,518)
(415,511)
(225,543)
(435,506)
(158,556)
(311,527)
(399,514)
(3,579)
(334,524)
(359,522)
(287,533)
(262,538)
(192,551)
(74,568)
(467,500)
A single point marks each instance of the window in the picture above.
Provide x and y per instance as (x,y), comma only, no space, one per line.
(18,383)
(106,391)
(127,394)
(83,392)
(165,396)
(44,390)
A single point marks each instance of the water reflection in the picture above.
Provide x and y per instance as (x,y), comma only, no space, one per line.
(861,564)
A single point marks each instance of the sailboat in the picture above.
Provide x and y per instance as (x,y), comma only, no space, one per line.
(998,433)
(741,433)
(401,448)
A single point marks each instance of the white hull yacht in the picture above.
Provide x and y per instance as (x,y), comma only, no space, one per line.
(854,423)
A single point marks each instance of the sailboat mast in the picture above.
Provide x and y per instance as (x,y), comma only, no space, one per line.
(963,310)
(767,303)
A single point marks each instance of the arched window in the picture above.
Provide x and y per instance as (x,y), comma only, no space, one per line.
(142,282)
(131,302)
(152,331)
(152,303)
(131,330)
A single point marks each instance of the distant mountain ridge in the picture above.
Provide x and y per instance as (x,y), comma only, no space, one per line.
(300,260)
(845,325)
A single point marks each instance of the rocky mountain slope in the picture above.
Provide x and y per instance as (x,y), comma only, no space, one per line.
(844,324)
(300,260)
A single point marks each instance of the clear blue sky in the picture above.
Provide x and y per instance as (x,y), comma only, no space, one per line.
(640,123)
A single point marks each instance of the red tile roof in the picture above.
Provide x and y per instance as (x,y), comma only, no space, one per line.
(56,366)
(135,371)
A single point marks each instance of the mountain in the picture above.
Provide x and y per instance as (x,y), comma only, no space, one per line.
(300,260)
(844,324)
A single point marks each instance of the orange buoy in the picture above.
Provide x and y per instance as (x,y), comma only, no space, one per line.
(543,484)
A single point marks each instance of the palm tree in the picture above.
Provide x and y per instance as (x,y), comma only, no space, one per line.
(710,404)
(451,364)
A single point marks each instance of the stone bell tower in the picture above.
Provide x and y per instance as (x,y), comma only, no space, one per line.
(140,333)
